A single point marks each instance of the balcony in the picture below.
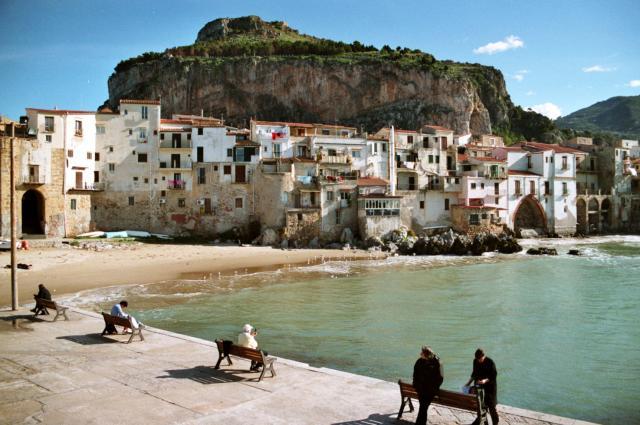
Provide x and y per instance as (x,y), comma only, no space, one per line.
(175,166)
(406,186)
(93,187)
(335,159)
(176,184)
(168,145)
(33,180)
(275,167)
(439,185)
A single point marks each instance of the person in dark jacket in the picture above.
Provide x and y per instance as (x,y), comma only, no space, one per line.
(485,376)
(427,378)
(44,294)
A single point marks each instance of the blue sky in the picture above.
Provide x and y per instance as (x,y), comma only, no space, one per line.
(563,55)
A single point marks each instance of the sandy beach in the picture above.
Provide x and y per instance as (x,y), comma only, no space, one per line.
(69,270)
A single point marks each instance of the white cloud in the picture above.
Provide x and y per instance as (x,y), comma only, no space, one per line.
(634,83)
(510,42)
(598,68)
(518,77)
(547,109)
(530,93)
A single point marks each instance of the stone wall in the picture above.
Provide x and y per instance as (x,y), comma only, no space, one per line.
(302,225)
(460,221)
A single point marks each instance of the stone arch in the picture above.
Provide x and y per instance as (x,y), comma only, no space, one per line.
(530,215)
(593,215)
(582,225)
(33,212)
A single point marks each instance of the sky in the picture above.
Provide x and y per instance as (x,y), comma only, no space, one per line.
(557,56)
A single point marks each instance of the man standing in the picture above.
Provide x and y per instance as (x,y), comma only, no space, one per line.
(427,378)
(485,376)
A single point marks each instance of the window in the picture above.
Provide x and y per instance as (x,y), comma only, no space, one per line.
(89,155)
(496,188)
(97,156)
(546,188)
(215,168)
(230,152)
(529,163)
(48,124)
(47,138)
(100,129)
(437,159)
(145,112)
(518,189)
(565,163)
(188,136)
(330,195)
(238,203)
(276,150)
(481,185)
(73,204)
(142,157)
(355,154)
(299,216)
(132,200)
(410,139)
(326,132)
(155,181)
(332,152)
(182,202)
(484,216)
(202,178)
(163,193)
(70,153)
(207,206)
(110,148)
(421,205)
(112,167)
(446,204)
(200,131)
(430,159)
(565,188)
(161,136)
(227,170)
(200,154)
(130,132)
(425,142)
(126,112)
(473,185)
(384,147)
(146,180)
(96,176)
(135,178)
(532,187)
(474,219)
(143,134)
(338,217)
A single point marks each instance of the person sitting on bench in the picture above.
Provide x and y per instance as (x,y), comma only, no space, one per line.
(117,310)
(44,294)
(247,339)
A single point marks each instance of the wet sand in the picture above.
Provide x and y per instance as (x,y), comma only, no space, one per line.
(69,270)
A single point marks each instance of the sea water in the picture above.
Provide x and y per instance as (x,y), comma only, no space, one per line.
(563,330)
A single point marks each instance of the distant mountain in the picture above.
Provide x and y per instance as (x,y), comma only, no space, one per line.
(620,115)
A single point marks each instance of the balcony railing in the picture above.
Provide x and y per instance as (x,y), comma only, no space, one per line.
(89,186)
(337,159)
(175,165)
(176,184)
(169,144)
(435,186)
(35,179)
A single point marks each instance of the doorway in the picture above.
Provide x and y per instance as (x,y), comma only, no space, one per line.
(33,213)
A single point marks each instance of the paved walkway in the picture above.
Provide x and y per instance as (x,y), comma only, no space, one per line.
(66,373)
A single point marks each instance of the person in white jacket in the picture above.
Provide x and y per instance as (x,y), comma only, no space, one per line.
(247,339)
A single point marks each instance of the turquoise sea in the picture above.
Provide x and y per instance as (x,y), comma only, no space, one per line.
(562,330)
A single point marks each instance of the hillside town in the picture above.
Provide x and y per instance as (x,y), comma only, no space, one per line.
(80,171)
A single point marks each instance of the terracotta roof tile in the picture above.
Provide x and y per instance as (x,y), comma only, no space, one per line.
(61,111)
(140,101)
(522,173)
(372,181)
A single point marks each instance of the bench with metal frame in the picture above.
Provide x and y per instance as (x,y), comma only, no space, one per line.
(470,402)
(246,353)
(42,305)
(121,321)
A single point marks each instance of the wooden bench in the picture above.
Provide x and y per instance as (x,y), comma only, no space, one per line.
(42,305)
(471,402)
(246,353)
(121,321)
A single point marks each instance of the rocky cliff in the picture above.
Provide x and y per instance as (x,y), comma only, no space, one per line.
(245,67)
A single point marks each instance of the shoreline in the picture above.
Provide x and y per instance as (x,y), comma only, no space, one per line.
(69,270)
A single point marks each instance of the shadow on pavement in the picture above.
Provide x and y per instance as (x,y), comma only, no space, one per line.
(88,339)
(204,375)
(375,419)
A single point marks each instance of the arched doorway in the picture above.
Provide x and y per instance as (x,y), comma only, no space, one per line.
(583,223)
(32,213)
(605,215)
(530,215)
(594,216)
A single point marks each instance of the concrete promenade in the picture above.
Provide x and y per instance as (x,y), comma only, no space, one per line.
(66,373)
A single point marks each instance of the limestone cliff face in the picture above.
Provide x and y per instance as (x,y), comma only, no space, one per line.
(328,89)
